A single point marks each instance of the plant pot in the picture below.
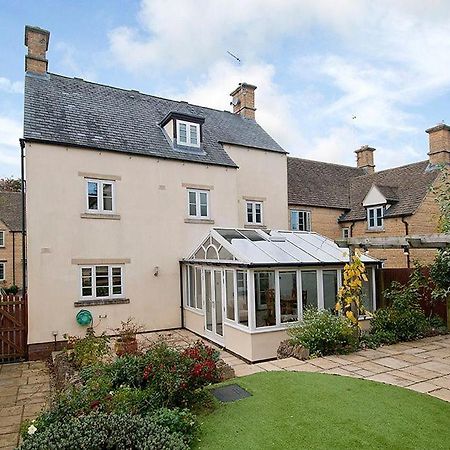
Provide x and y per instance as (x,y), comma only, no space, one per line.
(126,346)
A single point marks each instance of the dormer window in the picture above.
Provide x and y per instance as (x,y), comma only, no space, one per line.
(375,218)
(188,133)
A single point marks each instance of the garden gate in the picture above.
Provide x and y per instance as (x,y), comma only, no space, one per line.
(13,328)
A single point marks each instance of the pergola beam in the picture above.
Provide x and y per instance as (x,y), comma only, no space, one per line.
(400,242)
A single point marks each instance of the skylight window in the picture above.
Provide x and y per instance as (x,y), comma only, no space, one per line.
(188,133)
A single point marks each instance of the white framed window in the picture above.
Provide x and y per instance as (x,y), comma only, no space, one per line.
(198,204)
(375,218)
(346,232)
(100,196)
(254,212)
(102,281)
(300,220)
(188,133)
(2,238)
(2,271)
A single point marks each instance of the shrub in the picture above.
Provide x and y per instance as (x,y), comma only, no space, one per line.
(374,340)
(324,333)
(115,431)
(177,420)
(404,319)
(88,350)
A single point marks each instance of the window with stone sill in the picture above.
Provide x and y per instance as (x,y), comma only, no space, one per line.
(2,271)
(2,238)
(101,282)
(100,196)
(375,218)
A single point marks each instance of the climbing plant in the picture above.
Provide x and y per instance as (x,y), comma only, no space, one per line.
(442,193)
(349,296)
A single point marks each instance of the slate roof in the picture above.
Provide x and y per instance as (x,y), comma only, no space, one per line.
(315,183)
(11,210)
(409,183)
(80,113)
(389,192)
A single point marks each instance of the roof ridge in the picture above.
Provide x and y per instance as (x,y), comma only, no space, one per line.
(324,162)
(416,163)
(148,95)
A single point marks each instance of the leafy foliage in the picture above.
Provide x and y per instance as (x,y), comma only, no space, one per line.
(88,350)
(114,431)
(442,193)
(324,333)
(10,184)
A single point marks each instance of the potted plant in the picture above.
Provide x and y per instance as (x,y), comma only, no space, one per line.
(126,341)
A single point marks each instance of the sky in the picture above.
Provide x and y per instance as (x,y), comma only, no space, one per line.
(331,75)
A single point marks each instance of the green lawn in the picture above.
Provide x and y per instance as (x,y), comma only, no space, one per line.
(294,410)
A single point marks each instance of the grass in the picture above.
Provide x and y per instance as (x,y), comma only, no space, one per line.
(294,410)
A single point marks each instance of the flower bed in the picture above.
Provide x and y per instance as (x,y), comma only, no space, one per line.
(109,401)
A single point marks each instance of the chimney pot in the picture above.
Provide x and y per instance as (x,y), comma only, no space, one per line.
(244,100)
(364,159)
(439,142)
(36,39)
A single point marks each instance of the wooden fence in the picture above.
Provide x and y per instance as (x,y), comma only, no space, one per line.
(385,277)
(13,328)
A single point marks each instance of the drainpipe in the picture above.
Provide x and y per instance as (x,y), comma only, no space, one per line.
(181,295)
(351,228)
(408,260)
(14,259)
(24,254)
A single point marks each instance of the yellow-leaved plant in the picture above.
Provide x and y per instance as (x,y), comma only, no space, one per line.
(349,296)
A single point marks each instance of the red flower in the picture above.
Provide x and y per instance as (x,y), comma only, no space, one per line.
(95,404)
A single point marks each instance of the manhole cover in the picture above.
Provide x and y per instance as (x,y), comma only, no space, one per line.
(230,393)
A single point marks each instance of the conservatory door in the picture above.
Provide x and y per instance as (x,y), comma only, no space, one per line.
(213,305)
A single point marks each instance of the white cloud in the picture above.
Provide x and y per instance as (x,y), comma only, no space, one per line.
(382,61)
(11,87)
(69,60)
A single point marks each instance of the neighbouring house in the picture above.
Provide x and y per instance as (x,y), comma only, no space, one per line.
(163,211)
(341,201)
(11,258)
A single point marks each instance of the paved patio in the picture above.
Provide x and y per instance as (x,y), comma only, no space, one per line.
(24,390)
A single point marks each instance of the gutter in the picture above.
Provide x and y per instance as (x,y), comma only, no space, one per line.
(24,254)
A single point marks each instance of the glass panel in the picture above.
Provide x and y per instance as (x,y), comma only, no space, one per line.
(249,212)
(258,212)
(92,195)
(294,220)
(309,289)
(265,298)
(224,254)
(301,221)
(107,196)
(198,288)
(182,132)
(208,300)
(367,294)
(86,281)
(203,204)
(191,284)
(329,289)
(200,253)
(194,137)
(2,271)
(211,253)
(2,238)
(218,301)
(102,281)
(288,296)
(242,297)
(229,282)
(86,292)
(192,203)
(379,217)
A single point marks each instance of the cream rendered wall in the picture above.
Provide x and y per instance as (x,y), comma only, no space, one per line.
(152,204)
(262,175)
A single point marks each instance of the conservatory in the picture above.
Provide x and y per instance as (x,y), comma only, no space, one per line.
(243,287)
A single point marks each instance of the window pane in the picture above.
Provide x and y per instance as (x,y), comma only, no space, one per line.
(242,297)
(366,295)
(329,289)
(191,284)
(101,270)
(258,212)
(2,271)
(192,203)
(211,253)
(218,301)
(107,196)
(85,292)
(182,132)
(193,135)
(116,280)
(208,300)
(92,202)
(2,238)
(265,298)
(102,281)
(301,221)
(249,212)
(309,289)
(229,286)
(92,188)
(294,220)
(203,204)
(288,296)
(198,288)
(224,254)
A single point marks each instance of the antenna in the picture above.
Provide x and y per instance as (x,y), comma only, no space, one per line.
(235,57)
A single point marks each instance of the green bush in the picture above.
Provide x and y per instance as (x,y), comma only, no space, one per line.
(324,333)
(107,431)
(89,350)
(374,340)
(404,319)
(177,420)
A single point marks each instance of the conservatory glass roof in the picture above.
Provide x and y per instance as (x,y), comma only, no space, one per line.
(269,247)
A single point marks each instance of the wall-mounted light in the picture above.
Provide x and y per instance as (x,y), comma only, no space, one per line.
(405,249)
(156,271)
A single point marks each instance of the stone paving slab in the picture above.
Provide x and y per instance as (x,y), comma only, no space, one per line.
(24,392)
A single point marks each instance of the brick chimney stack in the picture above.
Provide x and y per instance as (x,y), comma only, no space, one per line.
(439,137)
(244,100)
(364,159)
(36,39)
